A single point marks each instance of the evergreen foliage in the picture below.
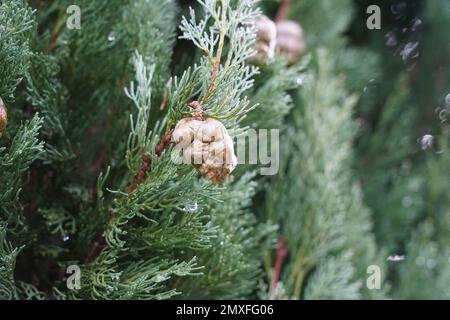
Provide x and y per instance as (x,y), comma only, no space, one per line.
(87,180)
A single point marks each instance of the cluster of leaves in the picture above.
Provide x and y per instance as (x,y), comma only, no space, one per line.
(176,232)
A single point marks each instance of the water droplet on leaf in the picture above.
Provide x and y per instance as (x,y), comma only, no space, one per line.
(416,25)
(396,258)
(390,39)
(112,36)
(115,277)
(410,51)
(191,207)
(398,9)
(447,99)
(426,141)
(159,278)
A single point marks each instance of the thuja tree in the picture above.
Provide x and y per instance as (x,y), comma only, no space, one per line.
(87,176)
(326,243)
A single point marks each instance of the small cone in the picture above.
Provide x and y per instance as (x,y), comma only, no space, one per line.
(290,40)
(266,39)
(208,146)
(3,117)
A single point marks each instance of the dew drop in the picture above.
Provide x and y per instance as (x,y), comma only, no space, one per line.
(390,39)
(222,243)
(112,36)
(159,278)
(398,9)
(65,238)
(396,258)
(115,277)
(416,25)
(191,207)
(426,141)
(447,99)
(410,51)
(442,113)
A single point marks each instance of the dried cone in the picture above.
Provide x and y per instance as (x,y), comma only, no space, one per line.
(290,40)
(266,39)
(3,117)
(208,146)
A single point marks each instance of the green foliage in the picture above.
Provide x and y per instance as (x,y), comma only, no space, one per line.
(14,161)
(311,199)
(8,257)
(87,110)
(323,21)
(16,27)
(387,167)
(164,237)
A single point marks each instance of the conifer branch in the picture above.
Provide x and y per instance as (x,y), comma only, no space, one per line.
(283,10)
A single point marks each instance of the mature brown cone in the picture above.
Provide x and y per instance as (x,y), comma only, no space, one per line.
(208,146)
(3,117)
(290,40)
(266,39)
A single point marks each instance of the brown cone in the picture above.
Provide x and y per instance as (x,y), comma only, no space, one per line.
(290,40)
(208,146)
(3,116)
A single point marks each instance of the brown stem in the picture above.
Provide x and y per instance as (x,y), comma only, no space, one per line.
(280,256)
(213,75)
(283,10)
(165,96)
(198,115)
(56,32)
(223,32)
(165,142)
(146,163)
(145,167)
(3,117)
(98,245)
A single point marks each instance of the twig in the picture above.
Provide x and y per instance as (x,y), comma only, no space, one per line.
(56,32)
(99,244)
(145,167)
(146,163)
(283,10)
(165,96)
(223,32)
(280,256)
(165,142)
(198,115)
